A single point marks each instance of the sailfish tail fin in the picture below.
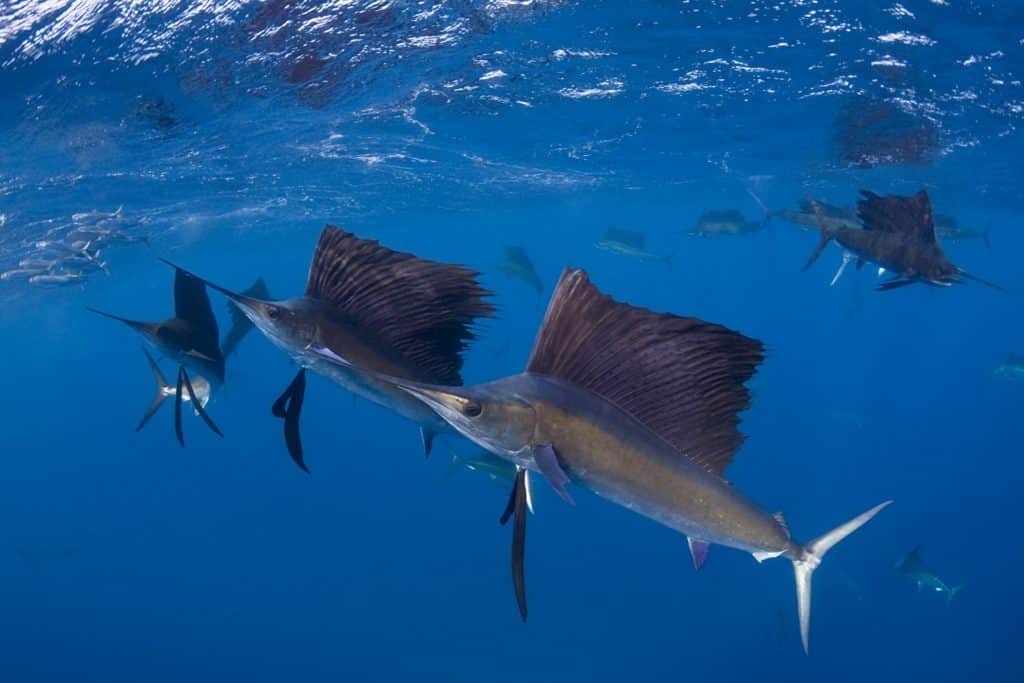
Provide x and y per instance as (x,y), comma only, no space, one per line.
(813,553)
(161,391)
(953,593)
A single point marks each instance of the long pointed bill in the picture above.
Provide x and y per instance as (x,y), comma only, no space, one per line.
(965,274)
(249,305)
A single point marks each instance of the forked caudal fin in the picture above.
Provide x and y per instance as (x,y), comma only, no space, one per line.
(813,553)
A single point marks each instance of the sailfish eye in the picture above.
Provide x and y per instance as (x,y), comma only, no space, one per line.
(472,409)
(273,312)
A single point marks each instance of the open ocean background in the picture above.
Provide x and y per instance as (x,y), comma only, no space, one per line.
(231,132)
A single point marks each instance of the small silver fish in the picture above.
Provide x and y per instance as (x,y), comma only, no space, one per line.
(94,216)
(22,273)
(57,279)
(37,263)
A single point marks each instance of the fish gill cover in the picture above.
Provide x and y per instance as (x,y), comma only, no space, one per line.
(223,135)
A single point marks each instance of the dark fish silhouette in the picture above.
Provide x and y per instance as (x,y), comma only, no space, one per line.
(641,408)
(899,237)
(812,214)
(915,568)
(949,230)
(387,311)
(628,243)
(718,223)
(189,338)
(517,264)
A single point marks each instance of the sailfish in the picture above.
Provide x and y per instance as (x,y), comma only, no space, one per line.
(642,409)
(190,337)
(389,311)
(898,236)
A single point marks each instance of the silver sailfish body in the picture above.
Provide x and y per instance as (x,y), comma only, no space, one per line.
(642,409)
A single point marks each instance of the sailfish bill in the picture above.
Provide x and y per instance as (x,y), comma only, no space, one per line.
(288,407)
(641,408)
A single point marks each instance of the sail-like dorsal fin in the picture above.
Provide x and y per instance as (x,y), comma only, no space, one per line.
(910,216)
(424,309)
(191,302)
(681,377)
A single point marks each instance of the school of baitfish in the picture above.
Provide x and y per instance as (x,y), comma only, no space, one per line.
(639,407)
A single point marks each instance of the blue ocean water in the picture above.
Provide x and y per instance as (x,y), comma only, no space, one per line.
(231,132)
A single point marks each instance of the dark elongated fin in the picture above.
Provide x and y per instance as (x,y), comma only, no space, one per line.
(240,324)
(913,558)
(698,551)
(894,284)
(517,509)
(427,437)
(200,410)
(288,407)
(681,377)
(177,406)
(424,309)
(192,303)
(909,216)
(161,388)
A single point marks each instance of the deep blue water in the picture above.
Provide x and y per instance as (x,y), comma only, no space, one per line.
(232,134)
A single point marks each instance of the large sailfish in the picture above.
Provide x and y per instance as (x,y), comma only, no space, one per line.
(391,312)
(642,409)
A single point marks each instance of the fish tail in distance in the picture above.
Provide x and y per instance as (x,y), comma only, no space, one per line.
(161,391)
(953,593)
(811,557)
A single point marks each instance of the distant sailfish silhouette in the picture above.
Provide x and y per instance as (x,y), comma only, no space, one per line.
(915,568)
(899,237)
(190,338)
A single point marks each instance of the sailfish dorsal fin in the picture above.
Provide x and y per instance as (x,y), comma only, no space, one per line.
(683,378)
(192,303)
(908,216)
(426,310)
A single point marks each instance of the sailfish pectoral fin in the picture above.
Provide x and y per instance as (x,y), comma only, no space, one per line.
(547,462)
(427,437)
(177,406)
(196,404)
(288,407)
(699,551)
(516,509)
